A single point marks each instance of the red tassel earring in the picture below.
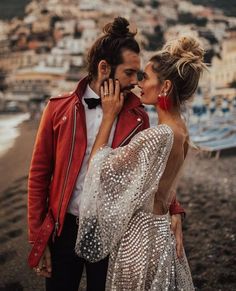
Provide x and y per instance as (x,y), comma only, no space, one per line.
(164,102)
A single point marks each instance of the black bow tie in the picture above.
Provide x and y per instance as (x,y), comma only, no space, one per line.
(92,102)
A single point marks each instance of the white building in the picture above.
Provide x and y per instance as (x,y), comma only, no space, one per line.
(88,37)
(178,30)
(88,5)
(70,45)
(223,70)
(66,27)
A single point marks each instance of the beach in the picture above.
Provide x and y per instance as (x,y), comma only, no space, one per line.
(14,165)
(15,275)
(207,191)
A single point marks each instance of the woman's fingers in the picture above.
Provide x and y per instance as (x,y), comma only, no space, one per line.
(102,91)
(121,99)
(112,99)
(111,87)
(179,249)
(176,227)
(106,90)
(117,89)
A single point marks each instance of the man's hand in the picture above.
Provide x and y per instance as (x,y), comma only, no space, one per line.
(176,227)
(44,268)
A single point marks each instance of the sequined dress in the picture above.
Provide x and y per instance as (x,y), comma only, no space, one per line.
(116,216)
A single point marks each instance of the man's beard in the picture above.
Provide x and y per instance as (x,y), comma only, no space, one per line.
(125,90)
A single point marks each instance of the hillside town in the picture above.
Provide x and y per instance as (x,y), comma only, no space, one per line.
(44,53)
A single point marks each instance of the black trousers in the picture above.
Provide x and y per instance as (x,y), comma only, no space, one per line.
(67,267)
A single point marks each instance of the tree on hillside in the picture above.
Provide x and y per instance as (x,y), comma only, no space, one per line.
(154,3)
(3,85)
(228,6)
(155,40)
(189,18)
(209,55)
(233,84)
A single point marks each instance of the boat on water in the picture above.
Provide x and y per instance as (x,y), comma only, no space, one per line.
(219,133)
(211,134)
(221,144)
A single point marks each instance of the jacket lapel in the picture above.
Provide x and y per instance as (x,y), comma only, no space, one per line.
(81,130)
(128,123)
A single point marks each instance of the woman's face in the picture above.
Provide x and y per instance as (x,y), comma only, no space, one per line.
(150,86)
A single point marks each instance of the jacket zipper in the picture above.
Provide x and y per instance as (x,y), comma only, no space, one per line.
(132,133)
(66,178)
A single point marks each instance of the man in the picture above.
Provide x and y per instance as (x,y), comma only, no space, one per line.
(64,141)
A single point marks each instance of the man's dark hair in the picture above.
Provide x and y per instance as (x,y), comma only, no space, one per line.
(110,46)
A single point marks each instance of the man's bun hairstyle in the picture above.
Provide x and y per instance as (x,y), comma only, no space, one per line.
(109,47)
(119,28)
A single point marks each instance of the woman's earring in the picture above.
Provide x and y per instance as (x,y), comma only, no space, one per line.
(164,101)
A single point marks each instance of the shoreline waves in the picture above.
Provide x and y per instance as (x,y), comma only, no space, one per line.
(9,129)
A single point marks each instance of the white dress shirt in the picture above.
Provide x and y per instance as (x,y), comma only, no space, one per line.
(93,121)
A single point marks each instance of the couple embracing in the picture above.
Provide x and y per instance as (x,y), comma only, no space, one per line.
(102,184)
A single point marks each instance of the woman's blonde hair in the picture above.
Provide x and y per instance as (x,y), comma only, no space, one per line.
(181,62)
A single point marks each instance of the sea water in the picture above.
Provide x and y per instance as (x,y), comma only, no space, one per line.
(9,129)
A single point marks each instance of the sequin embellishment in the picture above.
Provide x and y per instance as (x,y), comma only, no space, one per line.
(116,219)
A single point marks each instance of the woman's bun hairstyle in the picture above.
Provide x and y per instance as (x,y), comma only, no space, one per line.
(182,62)
(189,52)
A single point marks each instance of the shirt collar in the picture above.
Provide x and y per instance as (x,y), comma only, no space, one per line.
(89,93)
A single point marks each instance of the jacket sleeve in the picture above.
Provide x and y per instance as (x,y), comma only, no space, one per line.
(176,208)
(40,174)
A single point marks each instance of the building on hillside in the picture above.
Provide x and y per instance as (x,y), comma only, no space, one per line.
(223,69)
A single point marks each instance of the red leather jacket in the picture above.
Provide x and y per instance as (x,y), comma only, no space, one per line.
(59,151)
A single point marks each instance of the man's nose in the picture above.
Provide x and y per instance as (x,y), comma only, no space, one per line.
(134,80)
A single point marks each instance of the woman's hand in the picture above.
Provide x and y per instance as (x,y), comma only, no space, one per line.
(112,102)
(112,99)
(176,227)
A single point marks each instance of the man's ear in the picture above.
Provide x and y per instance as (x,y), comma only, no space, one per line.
(104,70)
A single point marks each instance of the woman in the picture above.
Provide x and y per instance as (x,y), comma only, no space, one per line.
(127,191)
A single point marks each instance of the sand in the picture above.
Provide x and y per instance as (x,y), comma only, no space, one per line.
(207,191)
(14,165)
(15,275)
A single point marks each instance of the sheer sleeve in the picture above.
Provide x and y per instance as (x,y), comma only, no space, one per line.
(117,184)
